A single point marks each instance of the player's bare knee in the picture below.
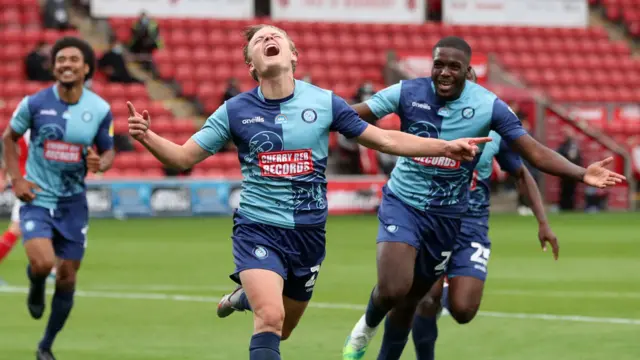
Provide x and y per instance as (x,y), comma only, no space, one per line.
(269,318)
(41,266)
(66,282)
(428,307)
(391,293)
(463,311)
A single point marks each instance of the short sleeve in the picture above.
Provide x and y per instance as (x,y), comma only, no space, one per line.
(104,137)
(21,118)
(215,132)
(346,120)
(505,122)
(385,101)
(508,160)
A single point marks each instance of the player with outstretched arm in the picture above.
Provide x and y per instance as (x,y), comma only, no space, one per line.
(281,129)
(424,201)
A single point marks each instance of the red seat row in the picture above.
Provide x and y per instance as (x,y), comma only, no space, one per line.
(625,12)
(353,29)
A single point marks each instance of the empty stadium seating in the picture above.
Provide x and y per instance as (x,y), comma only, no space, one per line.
(625,12)
(21,30)
(569,64)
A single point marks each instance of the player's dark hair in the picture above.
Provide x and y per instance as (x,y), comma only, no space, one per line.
(454,42)
(250,32)
(87,52)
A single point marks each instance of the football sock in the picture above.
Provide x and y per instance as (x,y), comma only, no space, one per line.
(393,341)
(264,346)
(425,333)
(60,308)
(374,314)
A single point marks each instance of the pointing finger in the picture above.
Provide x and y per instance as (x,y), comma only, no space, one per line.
(132,110)
(480,140)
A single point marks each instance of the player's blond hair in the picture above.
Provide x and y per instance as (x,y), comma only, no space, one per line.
(251,31)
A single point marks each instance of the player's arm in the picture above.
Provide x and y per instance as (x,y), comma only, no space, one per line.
(507,124)
(20,122)
(527,186)
(104,143)
(348,123)
(213,135)
(382,103)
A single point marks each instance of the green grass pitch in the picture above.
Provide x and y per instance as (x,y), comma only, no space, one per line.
(148,290)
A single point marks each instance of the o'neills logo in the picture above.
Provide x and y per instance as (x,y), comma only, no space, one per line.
(441,162)
(62,151)
(286,163)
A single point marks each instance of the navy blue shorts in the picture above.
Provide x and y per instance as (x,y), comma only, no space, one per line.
(471,252)
(434,236)
(294,254)
(66,226)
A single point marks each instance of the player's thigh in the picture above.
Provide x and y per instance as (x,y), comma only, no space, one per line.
(398,242)
(293,311)
(37,234)
(40,254)
(304,259)
(467,274)
(264,292)
(465,296)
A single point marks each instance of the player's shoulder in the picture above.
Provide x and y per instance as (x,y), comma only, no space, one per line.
(95,101)
(245,98)
(480,94)
(422,83)
(40,98)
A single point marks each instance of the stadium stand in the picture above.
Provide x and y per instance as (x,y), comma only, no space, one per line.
(623,12)
(571,66)
(22,29)
(540,55)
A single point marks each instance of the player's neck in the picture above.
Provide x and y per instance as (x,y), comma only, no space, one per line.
(278,87)
(69,95)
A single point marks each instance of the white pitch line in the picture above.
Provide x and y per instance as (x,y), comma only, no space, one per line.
(502,292)
(159,287)
(338,306)
(564,294)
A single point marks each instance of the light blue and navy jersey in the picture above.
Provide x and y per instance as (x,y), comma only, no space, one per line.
(283,147)
(58,141)
(480,196)
(438,184)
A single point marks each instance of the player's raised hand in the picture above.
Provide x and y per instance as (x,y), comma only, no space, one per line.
(93,160)
(546,235)
(464,149)
(598,176)
(138,123)
(25,190)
